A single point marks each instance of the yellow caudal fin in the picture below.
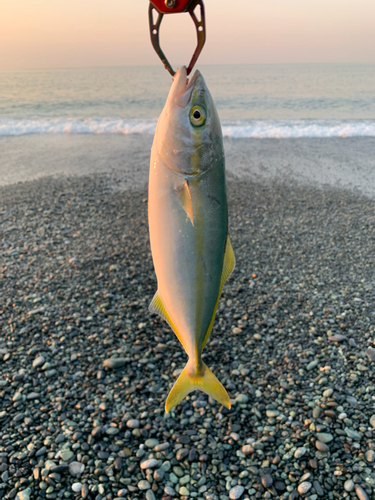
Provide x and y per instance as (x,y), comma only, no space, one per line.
(228,266)
(206,382)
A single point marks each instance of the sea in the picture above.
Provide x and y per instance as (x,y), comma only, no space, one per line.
(255,101)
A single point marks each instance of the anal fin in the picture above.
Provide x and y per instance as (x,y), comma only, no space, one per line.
(156,306)
(228,266)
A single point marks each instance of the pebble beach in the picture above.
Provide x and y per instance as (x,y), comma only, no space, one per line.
(85,368)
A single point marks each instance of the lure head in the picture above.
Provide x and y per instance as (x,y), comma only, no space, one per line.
(188,135)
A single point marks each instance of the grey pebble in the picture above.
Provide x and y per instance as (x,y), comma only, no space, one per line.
(132,423)
(182,453)
(318,488)
(267,480)
(321,446)
(300,452)
(168,490)
(76,469)
(337,338)
(352,433)
(304,487)
(150,495)
(24,494)
(152,443)
(313,364)
(115,363)
(162,447)
(150,464)
(85,491)
(144,485)
(38,362)
(324,437)
(236,492)
(370,353)
(349,485)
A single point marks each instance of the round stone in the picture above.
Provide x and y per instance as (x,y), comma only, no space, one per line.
(267,480)
(328,393)
(247,449)
(66,455)
(300,452)
(372,421)
(352,433)
(168,490)
(76,487)
(151,443)
(316,412)
(304,487)
(112,431)
(236,492)
(324,437)
(182,453)
(144,485)
(370,455)
(349,485)
(272,413)
(321,446)
(133,423)
(39,361)
(161,446)
(150,495)
(183,491)
(242,399)
(76,469)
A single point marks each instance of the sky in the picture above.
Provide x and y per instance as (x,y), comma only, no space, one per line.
(75,33)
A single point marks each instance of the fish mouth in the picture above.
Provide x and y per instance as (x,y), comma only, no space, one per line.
(193,80)
(183,87)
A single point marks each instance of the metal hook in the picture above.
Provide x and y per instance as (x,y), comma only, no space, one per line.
(199,25)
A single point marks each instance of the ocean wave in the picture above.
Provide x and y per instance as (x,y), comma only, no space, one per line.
(261,129)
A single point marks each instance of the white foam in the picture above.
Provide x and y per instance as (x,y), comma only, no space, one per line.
(263,129)
(286,129)
(10,126)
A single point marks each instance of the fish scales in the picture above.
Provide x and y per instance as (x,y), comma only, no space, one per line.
(188,224)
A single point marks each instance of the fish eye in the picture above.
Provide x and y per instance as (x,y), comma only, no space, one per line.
(197,116)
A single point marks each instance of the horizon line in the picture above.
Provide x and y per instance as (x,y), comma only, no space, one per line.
(203,64)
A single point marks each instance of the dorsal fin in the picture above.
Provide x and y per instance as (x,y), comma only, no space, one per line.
(228,266)
(156,306)
(184,197)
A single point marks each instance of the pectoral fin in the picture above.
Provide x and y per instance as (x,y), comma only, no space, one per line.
(184,197)
(228,266)
(156,306)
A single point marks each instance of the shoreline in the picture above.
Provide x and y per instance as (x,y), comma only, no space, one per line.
(343,163)
(292,342)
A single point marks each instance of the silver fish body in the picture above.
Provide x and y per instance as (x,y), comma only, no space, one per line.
(188,225)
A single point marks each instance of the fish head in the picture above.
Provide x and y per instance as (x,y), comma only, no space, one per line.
(188,135)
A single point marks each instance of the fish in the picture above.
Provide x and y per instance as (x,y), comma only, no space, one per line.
(188,227)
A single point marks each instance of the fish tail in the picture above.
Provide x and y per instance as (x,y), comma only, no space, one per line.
(189,381)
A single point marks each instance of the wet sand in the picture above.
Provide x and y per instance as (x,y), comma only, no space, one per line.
(347,163)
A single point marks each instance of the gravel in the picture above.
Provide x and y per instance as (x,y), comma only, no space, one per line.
(292,343)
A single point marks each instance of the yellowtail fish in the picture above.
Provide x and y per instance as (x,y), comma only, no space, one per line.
(188,221)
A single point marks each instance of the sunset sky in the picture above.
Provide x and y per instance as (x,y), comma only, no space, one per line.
(71,33)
